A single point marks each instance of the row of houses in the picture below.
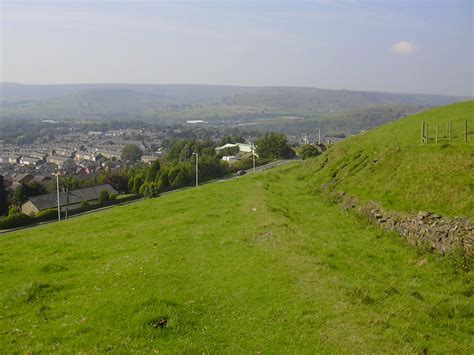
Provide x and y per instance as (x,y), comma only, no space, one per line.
(74,199)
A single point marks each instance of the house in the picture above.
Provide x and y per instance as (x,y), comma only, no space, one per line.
(59,161)
(25,161)
(91,156)
(9,159)
(65,152)
(243,147)
(19,178)
(42,179)
(147,159)
(76,197)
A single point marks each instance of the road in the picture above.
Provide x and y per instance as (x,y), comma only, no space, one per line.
(251,171)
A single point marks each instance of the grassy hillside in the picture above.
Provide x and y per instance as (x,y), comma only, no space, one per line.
(255,264)
(389,165)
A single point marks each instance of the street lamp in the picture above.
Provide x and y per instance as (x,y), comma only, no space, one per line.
(197,168)
(57,191)
(253,156)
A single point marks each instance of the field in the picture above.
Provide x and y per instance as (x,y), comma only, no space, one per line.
(390,166)
(255,264)
(261,263)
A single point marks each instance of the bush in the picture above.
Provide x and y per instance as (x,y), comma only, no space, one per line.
(150,189)
(47,215)
(84,204)
(104,196)
(15,220)
(308,151)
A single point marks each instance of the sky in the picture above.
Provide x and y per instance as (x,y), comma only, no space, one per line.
(408,46)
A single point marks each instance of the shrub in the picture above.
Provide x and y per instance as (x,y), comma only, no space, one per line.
(46,215)
(84,204)
(15,220)
(104,196)
(308,151)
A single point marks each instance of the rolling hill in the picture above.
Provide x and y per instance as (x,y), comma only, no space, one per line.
(262,263)
(178,103)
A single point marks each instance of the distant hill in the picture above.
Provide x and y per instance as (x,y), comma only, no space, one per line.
(177,103)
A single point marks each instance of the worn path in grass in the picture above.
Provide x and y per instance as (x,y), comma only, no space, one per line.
(253,264)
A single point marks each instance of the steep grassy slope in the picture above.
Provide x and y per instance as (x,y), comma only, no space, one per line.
(256,264)
(389,165)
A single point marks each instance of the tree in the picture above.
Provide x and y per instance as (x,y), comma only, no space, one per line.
(20,194)
(149,189)
(3,198)
(118,181)
(152,171)
(137,183)
(308,151)
(104,196)
(132,153)
(273,146)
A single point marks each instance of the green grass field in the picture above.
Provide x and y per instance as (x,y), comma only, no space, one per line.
(390,165)
(255,264)
(262,263)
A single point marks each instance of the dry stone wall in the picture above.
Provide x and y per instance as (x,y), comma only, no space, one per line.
(419,228)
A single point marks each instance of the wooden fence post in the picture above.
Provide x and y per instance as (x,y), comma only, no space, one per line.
(450,136)
(422,139)
(465,131)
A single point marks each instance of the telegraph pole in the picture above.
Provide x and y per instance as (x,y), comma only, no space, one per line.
(57,189)
(197,168)
(253,156)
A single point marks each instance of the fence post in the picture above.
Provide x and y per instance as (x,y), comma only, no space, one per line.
(450,136)
(465,131)
(422,138)
(427,137)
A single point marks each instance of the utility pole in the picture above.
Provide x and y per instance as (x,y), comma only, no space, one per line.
(197,168)
(57,190)
(253,156)
(67,200)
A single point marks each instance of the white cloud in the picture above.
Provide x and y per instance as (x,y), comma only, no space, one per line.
(403,47)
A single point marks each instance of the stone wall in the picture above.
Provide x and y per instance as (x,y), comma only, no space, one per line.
(419,228)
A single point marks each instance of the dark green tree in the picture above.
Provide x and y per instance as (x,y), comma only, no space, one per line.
(3,198)
(152,171)
(104,196)
(308,151)
(273,146)
(131,153)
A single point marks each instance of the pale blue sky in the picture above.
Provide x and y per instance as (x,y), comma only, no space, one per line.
(398,46)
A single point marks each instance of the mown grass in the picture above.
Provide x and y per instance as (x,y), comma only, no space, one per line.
(255,264)
(390,165)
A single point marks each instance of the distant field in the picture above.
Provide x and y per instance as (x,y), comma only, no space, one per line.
(255,264)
